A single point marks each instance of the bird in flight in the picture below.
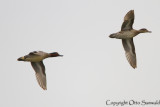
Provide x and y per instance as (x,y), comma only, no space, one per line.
(126,34)
(36,59)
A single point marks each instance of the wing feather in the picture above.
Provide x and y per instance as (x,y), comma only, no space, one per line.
(128,21)
(40,73)
(129,48)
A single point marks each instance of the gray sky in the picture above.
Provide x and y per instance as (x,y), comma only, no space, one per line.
(94,68)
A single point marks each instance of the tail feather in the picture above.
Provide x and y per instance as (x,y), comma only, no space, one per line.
(112,35)
(21,59)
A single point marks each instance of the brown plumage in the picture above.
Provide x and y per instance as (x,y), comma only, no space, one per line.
(36,59)
(126,34)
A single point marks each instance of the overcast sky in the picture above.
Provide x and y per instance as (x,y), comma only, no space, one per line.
(94,67)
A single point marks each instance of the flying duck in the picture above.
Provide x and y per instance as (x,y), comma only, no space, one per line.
(36,59)
(126,34)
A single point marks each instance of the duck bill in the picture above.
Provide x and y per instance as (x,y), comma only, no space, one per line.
(59,56)
(149,31)
(21,59)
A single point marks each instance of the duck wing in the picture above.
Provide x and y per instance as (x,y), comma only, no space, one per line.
(130,51)
(39,69)
(128,21)
(36,53)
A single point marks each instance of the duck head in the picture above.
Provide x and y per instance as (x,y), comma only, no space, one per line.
(144,31)
(54,54)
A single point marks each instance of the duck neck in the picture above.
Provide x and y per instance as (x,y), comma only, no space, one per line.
(141,31)
(137,32)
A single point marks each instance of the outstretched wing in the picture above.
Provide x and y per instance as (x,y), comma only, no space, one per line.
(40,73)
(130,51)
(128,21)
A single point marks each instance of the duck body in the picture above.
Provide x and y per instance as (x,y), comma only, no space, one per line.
(127,34)
(36,58)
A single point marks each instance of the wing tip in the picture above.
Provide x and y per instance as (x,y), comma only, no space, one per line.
(133,65)
(44,88)
(131,12)
(129,15)
(42,83)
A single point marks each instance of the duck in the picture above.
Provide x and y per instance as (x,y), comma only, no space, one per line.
(127,34)
(36,58)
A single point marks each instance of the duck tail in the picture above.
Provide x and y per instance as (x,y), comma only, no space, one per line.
(21,59)
(112,35)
